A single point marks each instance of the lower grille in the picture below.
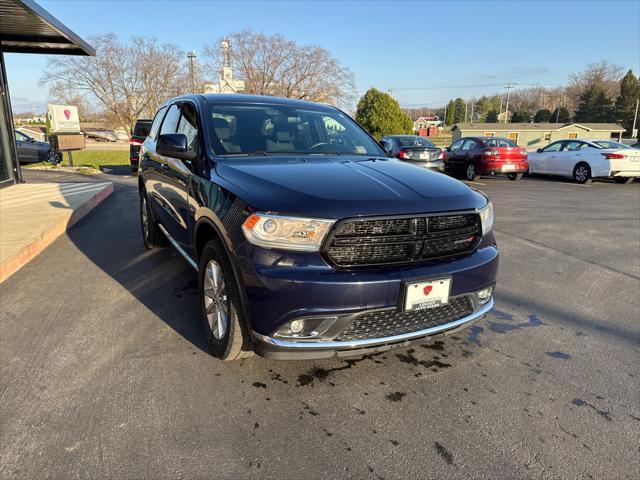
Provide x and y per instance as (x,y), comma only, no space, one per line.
(365,242)
(386,323)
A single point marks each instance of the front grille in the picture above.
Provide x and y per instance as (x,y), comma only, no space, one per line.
(386,323)
(357,243)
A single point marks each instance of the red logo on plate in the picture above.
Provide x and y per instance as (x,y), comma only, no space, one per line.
(67,113)
(427,290)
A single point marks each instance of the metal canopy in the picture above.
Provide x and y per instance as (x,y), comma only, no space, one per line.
(25,27)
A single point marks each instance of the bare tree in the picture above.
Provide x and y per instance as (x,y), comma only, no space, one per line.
(273,65)
(604,74)
(129,79)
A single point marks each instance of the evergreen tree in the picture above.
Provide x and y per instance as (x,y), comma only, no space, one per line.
(448,120)
(381,115)
(626,101)
(492,116)
(594,106)
(560,115)
(542,116)
(458,110)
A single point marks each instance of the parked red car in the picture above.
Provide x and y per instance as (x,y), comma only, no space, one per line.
(470,157)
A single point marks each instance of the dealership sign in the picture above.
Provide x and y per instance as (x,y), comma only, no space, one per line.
(64,119)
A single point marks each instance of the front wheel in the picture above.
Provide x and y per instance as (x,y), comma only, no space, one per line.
(623,179)
(471,173)
(514,176)
(582,173)
(221,309)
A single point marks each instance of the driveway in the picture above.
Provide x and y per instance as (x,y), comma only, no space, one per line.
(103,372)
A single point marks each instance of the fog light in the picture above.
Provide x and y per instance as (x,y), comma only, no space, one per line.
(296,326)
(308,328)
(484,295)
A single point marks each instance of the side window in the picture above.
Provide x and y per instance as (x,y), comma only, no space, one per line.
(170,120)
(573,146)
(157,120)
(456,145)
(554,147)
(188,125)
(469,144)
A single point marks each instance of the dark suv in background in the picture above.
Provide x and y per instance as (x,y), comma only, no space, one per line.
(138,135)
(308,240)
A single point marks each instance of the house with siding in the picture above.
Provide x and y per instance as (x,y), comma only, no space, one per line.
(537,135)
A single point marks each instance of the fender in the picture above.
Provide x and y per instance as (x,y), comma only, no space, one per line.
(204,215)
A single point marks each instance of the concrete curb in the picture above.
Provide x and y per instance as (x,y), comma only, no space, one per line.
(14,263)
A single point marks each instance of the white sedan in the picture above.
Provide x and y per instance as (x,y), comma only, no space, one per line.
(584,160)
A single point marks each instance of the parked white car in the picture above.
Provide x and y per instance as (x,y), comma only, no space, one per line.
(584,160)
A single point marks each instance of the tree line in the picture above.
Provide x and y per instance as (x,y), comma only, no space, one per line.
(599,94)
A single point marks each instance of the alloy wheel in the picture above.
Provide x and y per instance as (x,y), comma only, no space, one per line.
(582,173)
(215,300)
(471,171)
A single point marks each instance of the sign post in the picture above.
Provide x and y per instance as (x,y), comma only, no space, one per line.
(65,129)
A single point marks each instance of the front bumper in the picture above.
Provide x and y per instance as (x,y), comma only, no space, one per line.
(284,286)
(281,349)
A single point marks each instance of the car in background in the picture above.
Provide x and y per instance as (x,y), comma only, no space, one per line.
(636,145)
(100,135)
(30,150)
(138,136)
(583,160)
(470,157)
(413,149)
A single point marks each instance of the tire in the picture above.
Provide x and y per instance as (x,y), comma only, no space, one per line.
(54,158)
(582,173)
(152,236)
(471,172)
(623,180)
(224,330)
(134,169)
(516,177)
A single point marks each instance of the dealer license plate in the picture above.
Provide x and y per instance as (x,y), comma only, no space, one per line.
(423,295)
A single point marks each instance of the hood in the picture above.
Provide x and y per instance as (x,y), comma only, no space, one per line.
(340,187)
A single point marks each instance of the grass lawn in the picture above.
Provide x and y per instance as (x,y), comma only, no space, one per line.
(93,159)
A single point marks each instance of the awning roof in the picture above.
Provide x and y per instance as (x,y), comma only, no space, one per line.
(26,27)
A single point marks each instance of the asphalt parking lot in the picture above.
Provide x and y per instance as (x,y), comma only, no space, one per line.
(103,372)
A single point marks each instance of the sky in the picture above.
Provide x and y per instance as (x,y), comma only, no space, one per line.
(424,52)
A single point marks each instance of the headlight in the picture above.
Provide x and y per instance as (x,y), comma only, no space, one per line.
(486,217)
(288,233)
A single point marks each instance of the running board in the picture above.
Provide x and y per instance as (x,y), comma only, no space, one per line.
(180,250)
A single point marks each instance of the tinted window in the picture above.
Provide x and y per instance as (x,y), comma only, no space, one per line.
(455,146)
(188,125)
(554,147)
(414,141)
(258,129)
(499,142)
(574,146)
(142,128)
(610,144)
(157,120)
(170,120)
(469,144)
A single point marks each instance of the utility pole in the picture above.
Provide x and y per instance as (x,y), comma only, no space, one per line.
(509,86)
(471,112)
(635,118)
(465,111)
(192,56)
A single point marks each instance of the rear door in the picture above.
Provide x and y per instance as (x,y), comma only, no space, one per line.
(572,152)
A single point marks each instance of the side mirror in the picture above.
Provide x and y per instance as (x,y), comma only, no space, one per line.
(386,145)
(174,145)
(539,150)
(447,149)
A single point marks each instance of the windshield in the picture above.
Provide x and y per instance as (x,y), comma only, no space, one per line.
(610,144)
(498,142)
(413,141)
(258,129)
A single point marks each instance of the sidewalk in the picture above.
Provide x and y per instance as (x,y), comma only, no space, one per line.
(34,215)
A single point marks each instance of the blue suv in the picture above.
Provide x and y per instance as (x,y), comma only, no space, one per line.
(308,240)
